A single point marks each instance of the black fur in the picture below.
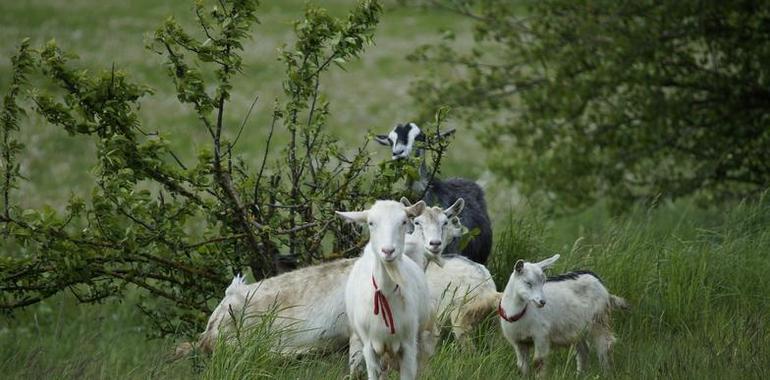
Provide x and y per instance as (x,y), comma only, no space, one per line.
(402,133)
(573,276)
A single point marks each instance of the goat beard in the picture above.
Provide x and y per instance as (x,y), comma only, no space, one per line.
(431,258)
(391,268)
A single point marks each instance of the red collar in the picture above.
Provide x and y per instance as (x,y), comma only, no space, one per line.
(512,318)
(381,302)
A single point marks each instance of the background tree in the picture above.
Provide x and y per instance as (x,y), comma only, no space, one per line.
(625,100)
(176,231)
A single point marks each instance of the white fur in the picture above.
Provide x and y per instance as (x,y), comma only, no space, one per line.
(401,281)
(464,294)
(559,313)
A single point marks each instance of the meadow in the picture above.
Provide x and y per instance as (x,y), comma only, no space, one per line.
(696,275)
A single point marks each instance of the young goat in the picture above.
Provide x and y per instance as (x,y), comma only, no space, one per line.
(578,308)
(386,296)
(402,140)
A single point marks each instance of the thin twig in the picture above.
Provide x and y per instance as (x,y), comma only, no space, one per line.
(240,130)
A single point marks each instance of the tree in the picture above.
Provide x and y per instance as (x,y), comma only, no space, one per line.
(179,232)
(625,100)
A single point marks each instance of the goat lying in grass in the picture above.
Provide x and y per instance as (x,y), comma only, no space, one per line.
(578,308)
(386,296)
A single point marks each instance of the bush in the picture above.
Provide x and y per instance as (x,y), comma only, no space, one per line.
(176,231)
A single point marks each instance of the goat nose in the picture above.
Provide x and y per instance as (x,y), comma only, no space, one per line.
(388,250)
(435,242)
(542,303)
(398,152)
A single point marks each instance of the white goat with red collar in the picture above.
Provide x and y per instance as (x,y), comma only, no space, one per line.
(562,311)
(461,290)
(386,296)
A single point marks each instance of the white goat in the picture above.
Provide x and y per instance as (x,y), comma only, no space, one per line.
(309,307)
(386,297)
(578,307)
(463,291)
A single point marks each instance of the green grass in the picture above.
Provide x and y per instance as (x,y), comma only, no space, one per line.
(697,278)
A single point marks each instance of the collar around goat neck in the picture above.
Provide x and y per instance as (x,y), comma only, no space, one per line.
(381,302)
(512,318)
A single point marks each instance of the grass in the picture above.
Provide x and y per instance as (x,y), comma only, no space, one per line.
(697,278)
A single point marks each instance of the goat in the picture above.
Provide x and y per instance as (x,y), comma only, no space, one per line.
(578,308)
(386,296)
(403,141)
(463,291)
(312,317)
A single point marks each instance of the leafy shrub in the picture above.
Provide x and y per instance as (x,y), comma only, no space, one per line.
(176,231)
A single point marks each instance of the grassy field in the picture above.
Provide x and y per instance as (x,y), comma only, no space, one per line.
(697,278)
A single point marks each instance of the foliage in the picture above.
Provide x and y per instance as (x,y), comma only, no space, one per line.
(625,100)
(174,230)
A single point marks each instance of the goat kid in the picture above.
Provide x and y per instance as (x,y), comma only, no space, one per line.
(560,311)
(386,296)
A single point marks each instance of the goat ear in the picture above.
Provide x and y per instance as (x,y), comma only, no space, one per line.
(455,209)
(519,266)
(459,228)
(548,262)
(382,140)
(415,209)
(353,216)
(405,202)
(446,133)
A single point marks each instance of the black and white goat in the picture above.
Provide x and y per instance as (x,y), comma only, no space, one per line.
(403,142)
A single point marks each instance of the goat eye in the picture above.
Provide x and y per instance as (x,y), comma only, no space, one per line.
(529,284)
(445,223)
(416,223)
(371,223)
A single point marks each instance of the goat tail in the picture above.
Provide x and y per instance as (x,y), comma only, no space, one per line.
(619,303)
(181,351)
